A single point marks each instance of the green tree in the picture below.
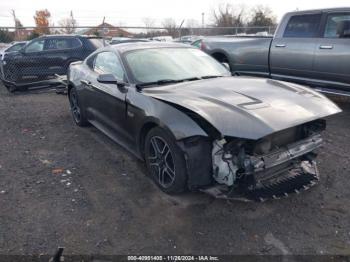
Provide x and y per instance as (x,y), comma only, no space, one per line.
(5,36)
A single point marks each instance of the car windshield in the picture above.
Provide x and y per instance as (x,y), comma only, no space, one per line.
(15,47)
(166,65)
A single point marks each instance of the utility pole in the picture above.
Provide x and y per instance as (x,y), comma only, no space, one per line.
(181,27)
(202,20)
(15,20)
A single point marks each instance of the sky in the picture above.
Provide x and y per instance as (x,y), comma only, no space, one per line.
(131,12)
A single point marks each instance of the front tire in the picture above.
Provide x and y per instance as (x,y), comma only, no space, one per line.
(11,74)
(165,161)
(77,112)
(10,87)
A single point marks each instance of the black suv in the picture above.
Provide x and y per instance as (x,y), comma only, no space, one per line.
(44,57)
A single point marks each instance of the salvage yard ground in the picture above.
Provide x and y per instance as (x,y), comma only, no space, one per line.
(61,185)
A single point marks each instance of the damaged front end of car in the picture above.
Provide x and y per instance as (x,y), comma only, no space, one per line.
(271,167)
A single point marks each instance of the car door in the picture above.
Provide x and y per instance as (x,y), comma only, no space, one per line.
(58,52)
(107,102)
(332,60)
(31,61)
(292,52)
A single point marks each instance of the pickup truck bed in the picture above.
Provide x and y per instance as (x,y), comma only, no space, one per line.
(309,47)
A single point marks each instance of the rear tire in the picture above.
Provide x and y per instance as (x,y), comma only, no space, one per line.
(77,112)
(165,161)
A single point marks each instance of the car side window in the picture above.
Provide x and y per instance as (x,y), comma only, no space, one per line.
(108,63)
(303,26)
(337,26)
(35,46)
(57,44)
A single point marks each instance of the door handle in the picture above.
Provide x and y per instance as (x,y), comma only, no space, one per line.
(280,45)
(326,47)
(85,82)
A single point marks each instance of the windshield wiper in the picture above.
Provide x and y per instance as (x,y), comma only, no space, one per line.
(168,81)
(213,76)
(159,82)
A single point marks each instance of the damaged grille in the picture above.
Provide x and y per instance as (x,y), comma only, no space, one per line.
(272,167)
(292,178)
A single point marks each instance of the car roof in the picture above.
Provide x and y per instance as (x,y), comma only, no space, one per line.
(126,47)
(325,10)
(69,35)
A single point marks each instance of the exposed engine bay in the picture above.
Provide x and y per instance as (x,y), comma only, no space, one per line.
(272,167)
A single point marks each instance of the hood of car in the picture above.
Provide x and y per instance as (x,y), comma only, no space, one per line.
(11,54)
(247,107)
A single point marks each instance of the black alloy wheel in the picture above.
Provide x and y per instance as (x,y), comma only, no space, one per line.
(165,161)
(77,112)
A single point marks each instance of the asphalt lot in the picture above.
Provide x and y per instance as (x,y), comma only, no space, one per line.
(61,185)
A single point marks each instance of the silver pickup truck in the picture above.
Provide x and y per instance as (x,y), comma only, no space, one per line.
(309,47)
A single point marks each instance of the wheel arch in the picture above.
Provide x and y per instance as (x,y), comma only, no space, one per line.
(223,57)
(70,85)
(148,126)
(220,56)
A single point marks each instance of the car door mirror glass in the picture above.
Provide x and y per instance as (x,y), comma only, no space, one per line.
(110,79)
(107,79)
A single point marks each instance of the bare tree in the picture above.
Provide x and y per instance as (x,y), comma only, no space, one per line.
(193,26)
(262,16)
(18,23)
(148,22)
(227,15)
(170,25)
(68,24)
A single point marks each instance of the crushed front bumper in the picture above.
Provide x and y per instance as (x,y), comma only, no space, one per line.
(288,170)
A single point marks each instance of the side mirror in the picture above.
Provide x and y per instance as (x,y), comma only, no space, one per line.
(227,66)
(111,79)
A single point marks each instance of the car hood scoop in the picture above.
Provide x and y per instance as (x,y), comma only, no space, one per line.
(247,107)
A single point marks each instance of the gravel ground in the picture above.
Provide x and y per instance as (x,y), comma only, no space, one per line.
(61,185)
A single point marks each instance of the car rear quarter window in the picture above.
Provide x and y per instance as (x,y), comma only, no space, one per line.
(96,42)
(108,63)
(337,25)
(75,43)
(303,26)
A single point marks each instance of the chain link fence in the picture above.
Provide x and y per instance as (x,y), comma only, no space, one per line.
(40,54)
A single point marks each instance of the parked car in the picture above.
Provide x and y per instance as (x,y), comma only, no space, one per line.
(187,39)
(309,47)
(195,125)
(197,43)
(163,38)
(14,46)
(44,57)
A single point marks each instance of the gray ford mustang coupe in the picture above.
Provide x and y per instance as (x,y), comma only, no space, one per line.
(197,127)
